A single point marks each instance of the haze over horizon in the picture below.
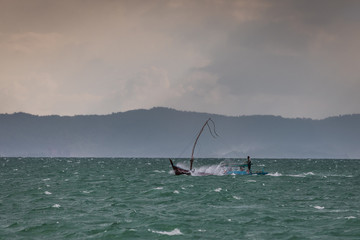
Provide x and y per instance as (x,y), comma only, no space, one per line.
(285,58)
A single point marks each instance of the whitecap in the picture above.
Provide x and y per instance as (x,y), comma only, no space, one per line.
(275,174)
(158,188)
(303,174)
(56,206)
(176,191)
(218,170)
(298,175)
(201,230)
(218,189)
(237,198)
(319,207)
(176,231)
(350,217)
(337,175)
(48,193)
(46,179)
(86,192)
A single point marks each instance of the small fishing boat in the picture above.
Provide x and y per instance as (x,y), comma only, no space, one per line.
(239,169)
(229,168)
(182,171)
(245,173)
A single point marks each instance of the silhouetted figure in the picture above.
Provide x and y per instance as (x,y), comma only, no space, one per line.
(249,163)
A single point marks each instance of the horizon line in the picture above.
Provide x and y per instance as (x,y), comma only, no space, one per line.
(174,109)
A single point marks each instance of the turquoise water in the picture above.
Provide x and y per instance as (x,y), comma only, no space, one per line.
(85,198)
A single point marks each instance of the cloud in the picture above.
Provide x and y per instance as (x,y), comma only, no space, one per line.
(31,42)
(291,58)
(151,86)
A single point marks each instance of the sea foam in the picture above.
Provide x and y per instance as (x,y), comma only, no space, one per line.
(211,170)
(176,231)
(275,174)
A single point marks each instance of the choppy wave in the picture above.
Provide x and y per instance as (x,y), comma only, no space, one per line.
(211,170)
(302,174)
(276,174)
(129,199)
(174,232)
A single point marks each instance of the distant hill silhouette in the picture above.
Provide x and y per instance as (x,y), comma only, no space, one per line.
(164,132)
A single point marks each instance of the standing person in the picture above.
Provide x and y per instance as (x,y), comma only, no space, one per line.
(249,163)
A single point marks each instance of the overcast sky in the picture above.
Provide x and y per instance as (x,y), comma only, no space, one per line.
(290,58)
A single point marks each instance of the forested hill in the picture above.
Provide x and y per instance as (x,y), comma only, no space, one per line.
(163,132)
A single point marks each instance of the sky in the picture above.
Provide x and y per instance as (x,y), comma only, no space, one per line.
(290,58)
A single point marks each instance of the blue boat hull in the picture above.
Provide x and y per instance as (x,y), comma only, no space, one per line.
(245,173)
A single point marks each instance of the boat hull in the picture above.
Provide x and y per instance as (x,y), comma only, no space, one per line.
(182,171)
(179,170)
(245,173)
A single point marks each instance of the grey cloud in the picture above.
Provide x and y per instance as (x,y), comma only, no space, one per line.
(195,55)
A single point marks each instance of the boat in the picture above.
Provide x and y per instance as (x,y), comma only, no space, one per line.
(229,168)
(239,169)
(179,170)
(246,173)
(182,171)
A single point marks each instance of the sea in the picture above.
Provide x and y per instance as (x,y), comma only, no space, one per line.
(141,198)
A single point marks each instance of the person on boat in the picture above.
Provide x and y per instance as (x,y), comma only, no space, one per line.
(249,163)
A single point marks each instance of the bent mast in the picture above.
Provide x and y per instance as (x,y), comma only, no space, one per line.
(197,138)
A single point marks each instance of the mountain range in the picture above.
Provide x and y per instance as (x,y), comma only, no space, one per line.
(164,132)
